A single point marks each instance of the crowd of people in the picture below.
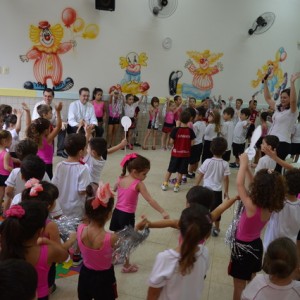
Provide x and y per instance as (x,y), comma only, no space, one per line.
(212,132)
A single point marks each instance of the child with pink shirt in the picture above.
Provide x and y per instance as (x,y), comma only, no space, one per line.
(99,106)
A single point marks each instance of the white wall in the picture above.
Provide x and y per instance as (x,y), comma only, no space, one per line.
(218,25)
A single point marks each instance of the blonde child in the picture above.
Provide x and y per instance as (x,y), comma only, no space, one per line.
(152,124)
(266,195)
(99,106)
(128,188)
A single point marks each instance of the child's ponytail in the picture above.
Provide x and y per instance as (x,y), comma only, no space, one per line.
(36,128)
(133,161)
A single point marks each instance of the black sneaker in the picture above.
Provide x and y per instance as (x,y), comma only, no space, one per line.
(77,260)
(215,232)
(62,154)
(137,145)
(192,175)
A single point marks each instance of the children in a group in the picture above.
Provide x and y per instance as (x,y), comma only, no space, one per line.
(212,130)
(179,273)
(128,188)
(266,195)
(153,123)
(196,150)
(99,106)
(239,136)
(286,222)
(280,264)
(27,221)
(266,162)
(183,138)
(295,146)
(39,131)
(214,171)
(227,131)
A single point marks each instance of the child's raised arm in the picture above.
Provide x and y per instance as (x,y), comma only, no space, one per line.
(57,128)
(273,155)
(19,114)
(27,113)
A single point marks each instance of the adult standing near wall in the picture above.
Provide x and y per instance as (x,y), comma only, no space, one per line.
(82,113)
(48,96)
(284,117)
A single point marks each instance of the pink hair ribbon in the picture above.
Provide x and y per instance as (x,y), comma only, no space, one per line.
(35,186)
(15,211)
(127,158)
(103,194)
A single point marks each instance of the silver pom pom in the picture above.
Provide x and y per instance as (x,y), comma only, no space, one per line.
(66,225)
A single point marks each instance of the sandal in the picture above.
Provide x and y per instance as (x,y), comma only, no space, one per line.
(153,148)
(130,269)
(145,148)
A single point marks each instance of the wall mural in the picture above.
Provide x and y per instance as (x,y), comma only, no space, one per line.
(277,80)
(48,47)
(202,66)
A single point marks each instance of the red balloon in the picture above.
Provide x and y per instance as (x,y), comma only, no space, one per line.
(68,16)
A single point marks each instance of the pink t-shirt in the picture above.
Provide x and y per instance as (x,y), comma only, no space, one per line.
(96,259)
(249,229)
(46,152)
(99,108)
(128,197)
(42,269)
(2,170)
(169,118)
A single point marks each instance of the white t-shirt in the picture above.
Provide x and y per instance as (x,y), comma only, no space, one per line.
(70,179)
(261,288)
(236,117)
(265,162)
(296,133)
(14,141)
(199,130)
(239,132)
(210,133)
(174,286)
(129,110)
(214,170)
(283,122)
(78,111)
(227,133)
(95,166)
(35,114)
(285,223)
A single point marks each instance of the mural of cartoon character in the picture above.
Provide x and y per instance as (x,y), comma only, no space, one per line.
(277,80)
(131,82)
(202,83)
(45,53)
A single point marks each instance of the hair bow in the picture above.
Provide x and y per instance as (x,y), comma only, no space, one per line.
(15,211)
(103,194)
(127,158)
(35,186)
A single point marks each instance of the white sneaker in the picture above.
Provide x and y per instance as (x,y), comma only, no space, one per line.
(176,188)
(164,187)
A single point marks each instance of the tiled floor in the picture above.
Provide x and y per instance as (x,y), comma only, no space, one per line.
(218,285)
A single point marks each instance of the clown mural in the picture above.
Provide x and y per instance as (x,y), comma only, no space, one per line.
(202,67)
(48,46)
(277,80)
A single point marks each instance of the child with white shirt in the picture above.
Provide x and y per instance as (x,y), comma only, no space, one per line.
(266,162)
(239,136)
(295,146)
(227,130)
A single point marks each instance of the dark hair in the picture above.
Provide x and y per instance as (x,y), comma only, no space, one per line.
(192,112)
(5,110)
(83,89)
(287,91)
(264,115)
(240,100)
(246,112)
(218,146)
(229,111)
(10,119)
(292,178)
(36,128)
(17,277)
(253,101)
(26,147)
(48,195)
(154,99)
(272,140)
(281,258)
(74,143)
(43,109)
(99,145)
(128,96)
(176,97)
(33,166)
(195,224)
(200,195)
(4,134)
(15,232)
(101,213)
(201,111)
(140,164)
(96,91)
(185,116)
(268,190)
(49,90)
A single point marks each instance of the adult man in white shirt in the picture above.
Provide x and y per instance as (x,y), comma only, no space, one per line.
(48,96)
(81,113)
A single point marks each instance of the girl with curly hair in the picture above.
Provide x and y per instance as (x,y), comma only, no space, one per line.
(266,194)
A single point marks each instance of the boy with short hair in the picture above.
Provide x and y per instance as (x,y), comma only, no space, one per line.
(213,171)
(266,162)
(183,138)
(227,131)
(237,111)
(239,136)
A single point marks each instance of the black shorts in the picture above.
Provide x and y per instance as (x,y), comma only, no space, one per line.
(113,121)
(3,178)
(226,155)
(238,149)
(196,151)
(133,123)
(151,126)
(298,236)
(206,153)
(94,284)
(250,131)
(120,219)
(243,265)
(295,148)
(217,201)
(178,164)
(167,128)
(100,119)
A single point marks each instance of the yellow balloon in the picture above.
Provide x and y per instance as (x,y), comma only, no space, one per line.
(91,31)
(78,25)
